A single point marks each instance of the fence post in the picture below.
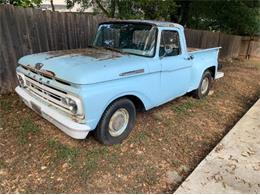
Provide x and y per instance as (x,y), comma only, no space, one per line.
(248,48)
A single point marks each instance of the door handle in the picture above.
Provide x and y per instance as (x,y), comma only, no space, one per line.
(189,58)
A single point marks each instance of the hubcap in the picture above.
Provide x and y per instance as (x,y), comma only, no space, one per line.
(118,122)
(205,85)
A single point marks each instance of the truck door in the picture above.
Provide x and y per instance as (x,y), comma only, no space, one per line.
(175,65)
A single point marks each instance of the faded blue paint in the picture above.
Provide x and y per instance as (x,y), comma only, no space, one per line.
(98,82)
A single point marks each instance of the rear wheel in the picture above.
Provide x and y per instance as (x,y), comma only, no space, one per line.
(117,122)
(205,85)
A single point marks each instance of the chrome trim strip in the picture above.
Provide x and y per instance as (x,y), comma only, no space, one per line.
(133,72)
(47,94)
(45,87)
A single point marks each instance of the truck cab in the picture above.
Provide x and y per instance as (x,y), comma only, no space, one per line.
(130,65)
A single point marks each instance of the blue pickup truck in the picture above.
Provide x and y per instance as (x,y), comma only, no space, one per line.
(131,65)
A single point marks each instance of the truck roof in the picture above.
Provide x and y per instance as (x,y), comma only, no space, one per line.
(151,22)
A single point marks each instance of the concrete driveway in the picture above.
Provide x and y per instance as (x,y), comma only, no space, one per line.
(233,166)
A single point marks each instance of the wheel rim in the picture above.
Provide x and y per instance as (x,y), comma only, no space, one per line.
(118,122)
(204,85)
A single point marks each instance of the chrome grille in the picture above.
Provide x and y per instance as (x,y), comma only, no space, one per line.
(47,93)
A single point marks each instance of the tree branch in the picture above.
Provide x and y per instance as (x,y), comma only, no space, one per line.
(102,7)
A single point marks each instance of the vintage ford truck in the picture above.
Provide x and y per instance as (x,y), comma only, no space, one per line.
(133,64)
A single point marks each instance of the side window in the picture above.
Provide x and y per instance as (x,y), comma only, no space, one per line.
(170,43)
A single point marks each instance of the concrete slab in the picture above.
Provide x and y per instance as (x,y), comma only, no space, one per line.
(233,166)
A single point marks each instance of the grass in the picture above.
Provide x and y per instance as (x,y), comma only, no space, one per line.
(176,162)
(188,105)
(142,136)
(2,164)
(2,123)
(184,107)
(253,63)
(92,160)
(5,105)
(27,127)
(63,152)
(151,177)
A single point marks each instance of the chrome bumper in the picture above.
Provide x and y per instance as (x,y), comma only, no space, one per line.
(66,124)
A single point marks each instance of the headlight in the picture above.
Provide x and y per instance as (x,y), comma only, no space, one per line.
(21,79)
(74,105)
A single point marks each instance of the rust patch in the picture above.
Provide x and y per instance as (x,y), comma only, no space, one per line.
(43,72)
(191,49)
(47,73)
(100,54)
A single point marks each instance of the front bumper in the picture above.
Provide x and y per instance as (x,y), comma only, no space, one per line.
(65,123)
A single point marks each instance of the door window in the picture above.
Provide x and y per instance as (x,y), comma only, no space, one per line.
(170,43)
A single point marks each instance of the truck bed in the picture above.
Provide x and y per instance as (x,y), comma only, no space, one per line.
(195,50)
(191,49)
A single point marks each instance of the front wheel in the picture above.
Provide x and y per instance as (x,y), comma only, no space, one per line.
(117,122)
(205,85)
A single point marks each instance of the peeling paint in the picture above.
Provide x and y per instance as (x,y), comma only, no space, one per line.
(100,54)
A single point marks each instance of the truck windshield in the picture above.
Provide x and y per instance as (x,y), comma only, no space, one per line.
(130,38)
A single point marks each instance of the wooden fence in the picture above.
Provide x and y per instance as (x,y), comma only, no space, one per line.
(231,44)
(26,30)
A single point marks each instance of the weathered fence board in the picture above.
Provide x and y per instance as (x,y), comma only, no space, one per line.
(230,45)
(26,30)
(209,39)
(193,38)
(205,39)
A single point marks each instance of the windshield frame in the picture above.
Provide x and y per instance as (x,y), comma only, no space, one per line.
(133,22)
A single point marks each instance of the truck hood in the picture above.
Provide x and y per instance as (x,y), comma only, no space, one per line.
(86,66)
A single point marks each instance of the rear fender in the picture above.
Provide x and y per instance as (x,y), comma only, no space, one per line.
(202,60)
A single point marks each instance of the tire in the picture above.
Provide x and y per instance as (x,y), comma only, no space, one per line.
(120,113)
(203,89)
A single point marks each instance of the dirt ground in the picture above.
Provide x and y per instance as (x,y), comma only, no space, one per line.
(166,144)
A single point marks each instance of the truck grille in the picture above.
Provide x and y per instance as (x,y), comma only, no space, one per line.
(49,94)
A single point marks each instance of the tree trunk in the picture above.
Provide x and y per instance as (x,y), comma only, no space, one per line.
(185,12)
(52,5)
(112,8)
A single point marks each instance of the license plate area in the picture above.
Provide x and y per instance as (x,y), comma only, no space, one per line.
(36,108)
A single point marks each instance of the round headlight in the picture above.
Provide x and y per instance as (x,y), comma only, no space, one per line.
(72,106)
(21,80)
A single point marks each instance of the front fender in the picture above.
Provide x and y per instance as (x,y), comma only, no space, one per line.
(145,100)
(96,98)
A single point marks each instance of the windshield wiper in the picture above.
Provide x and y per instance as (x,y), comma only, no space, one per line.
(114,49)
(107,48)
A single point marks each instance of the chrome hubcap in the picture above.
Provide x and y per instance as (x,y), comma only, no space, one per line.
(118,122)
(205,85)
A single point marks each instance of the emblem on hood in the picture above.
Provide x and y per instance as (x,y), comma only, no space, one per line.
(38,66)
